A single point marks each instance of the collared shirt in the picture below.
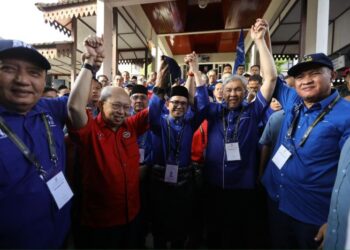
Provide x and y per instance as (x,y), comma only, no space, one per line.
(303,186)
(29,217)
(233,174)
(338,230)
(145,142)
(272,129)
(110,170)
(180,130)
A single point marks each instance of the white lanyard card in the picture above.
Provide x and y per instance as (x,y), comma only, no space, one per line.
(60,189)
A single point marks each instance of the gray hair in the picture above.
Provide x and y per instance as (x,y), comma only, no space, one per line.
(233,78)
(106,93)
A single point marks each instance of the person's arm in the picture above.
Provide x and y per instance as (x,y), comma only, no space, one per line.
(191,87)
(264,158)
(258,31)
(79,95)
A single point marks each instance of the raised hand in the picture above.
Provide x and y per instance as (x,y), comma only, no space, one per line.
(192,61)
(94,51)
(258,30)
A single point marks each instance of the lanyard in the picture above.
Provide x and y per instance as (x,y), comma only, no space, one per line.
(235,132)
(24,149)
(178,142)
(297,109)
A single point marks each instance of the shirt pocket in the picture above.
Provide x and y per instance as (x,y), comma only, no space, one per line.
(131,147)
(17,175)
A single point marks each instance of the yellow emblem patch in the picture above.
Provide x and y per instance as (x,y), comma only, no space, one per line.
(307,58)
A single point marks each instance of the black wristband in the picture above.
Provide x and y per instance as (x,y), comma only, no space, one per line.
(89,67)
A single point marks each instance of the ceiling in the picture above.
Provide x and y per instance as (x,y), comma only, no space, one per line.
(285,39)
(185,25)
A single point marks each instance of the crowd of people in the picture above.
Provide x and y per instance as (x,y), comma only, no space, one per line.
(249,160)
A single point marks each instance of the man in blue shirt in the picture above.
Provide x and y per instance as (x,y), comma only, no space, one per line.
(34,195)
(139,102)
(231,156)
(338,230)
(300,177)
(171,181)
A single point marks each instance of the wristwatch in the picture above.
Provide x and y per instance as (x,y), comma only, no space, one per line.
(89,67)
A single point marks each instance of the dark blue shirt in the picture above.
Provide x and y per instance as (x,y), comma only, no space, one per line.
(180,130)
(29,217)
(337,236)
(145,142)
(233,174)
(303,186)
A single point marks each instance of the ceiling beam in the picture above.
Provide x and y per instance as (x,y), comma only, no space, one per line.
(203,32)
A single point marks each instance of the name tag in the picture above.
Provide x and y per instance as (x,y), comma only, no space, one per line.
(281,156)
(232,151)
(171,173)
(142,155)
(60,189)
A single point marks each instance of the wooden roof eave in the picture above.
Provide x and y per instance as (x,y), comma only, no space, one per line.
(60,15)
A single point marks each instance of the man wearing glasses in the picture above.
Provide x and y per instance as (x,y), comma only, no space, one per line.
(171,177)
(110,159)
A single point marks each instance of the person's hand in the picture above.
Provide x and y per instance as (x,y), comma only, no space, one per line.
(258,30)
(94,51)
(321,235)
(266,24)
(192,61)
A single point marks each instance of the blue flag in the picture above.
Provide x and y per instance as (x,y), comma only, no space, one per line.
(240,57)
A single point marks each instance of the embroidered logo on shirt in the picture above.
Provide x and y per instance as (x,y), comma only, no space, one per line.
(50,121)
(2,135)
(126,134)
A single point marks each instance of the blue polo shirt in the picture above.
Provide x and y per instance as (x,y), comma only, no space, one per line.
(180,130)
(303,186)
(337,236)
(29,217)
(233,174)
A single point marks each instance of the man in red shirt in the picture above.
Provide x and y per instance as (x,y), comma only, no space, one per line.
(109,158)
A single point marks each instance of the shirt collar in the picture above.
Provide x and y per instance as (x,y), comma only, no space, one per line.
(325,102)
(178,121)
(37,109)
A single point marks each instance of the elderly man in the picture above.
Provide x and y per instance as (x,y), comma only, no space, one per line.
(34,195)
(301,174)
(110,159)
(231,161)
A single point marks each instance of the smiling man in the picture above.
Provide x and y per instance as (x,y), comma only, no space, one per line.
(231,157)
(171,182)
(109,165)
(32,152)
(301,174)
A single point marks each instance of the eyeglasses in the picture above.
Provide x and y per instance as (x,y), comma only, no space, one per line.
(119,106)
(140,97)
(178,103)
